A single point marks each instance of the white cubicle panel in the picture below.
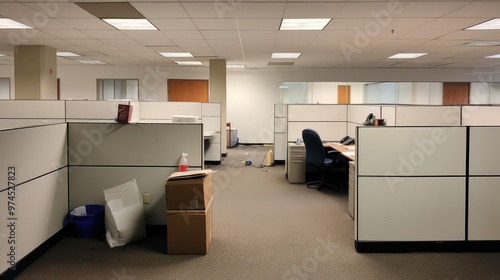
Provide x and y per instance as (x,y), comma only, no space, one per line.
(357,113)
(389,115)
(32,109)
(86,186)
(41,206)
(480,115)
(165,110)
(484,208)
(418,209)
(280,110)
(483,150)
(85,110)
(328,131)
(210,109)
(428,116)
(411,151)
(33,151)
(141,144)
(317,112)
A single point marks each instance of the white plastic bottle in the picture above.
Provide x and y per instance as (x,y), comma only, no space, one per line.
(183,163)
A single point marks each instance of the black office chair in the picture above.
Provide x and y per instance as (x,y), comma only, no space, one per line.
(316,157)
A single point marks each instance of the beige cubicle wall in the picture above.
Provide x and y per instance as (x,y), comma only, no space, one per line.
(427,115)
(34,159)
(104,155)
(429,188)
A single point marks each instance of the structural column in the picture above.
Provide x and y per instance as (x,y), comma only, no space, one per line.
(217,93)
(35,72)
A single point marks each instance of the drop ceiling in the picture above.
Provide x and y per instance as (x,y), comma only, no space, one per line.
(245,32)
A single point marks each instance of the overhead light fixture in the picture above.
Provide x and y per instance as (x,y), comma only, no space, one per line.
(6,23)
(130,23)
(235,66)
(175,54)
(304,23)
(1,54)
(407,55)
(189,63)
(487,25)
(91,61)
(481,44)
(493,56)
(285,55)
(67,54)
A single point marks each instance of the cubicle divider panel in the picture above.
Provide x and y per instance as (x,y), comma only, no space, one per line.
(90,111)
(484,209)
(484,184)
(389,115)
(411,186)
(87,183)
(428,116)
(280,139)
(411,151)
(328,131)
(411,209)
(164,111)
(480,115)
(33,193)
(317,112)
(103,155)
(143,144)
(32,109)
(357,113)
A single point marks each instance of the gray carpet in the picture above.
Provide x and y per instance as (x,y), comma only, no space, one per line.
(263,228)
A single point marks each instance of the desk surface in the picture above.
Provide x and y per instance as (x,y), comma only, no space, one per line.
(349,151)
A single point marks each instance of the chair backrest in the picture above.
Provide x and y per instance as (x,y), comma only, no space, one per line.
(315,152)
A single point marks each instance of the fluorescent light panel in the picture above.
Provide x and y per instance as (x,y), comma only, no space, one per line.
(490,24)
(175,54)
(235,66)
(493,56)
(91,61)
(6,23)
(481,44)
(1,54)
(285,55)
(304,23)
(189,63)
(67,54)
(130,24)
(407,55)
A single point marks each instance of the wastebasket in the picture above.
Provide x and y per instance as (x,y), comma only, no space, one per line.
(88,220)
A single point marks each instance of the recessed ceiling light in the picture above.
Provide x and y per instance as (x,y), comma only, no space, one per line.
(67,54)
(175,54)
(6,23)
(189,63)
(235,66)
(285,55)
(481,44)
(130,23)
(493,56)
(91,61)
(304,23)
(407,55)
(490,24)
(1,54)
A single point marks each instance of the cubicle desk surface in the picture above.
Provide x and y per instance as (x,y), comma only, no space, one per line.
(348,151)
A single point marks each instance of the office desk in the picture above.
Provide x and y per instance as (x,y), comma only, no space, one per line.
(348,151)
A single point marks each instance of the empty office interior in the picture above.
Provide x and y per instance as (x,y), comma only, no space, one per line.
(268,106)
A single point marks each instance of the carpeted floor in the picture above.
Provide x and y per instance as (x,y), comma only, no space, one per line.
(263,228)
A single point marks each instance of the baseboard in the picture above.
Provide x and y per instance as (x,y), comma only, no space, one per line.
(279,162)
(22,264)
(213,162)
(483,246)
(416,246)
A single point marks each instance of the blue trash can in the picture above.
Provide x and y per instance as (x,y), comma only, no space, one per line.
(88,220)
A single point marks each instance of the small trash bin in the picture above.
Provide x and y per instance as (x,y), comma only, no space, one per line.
(88,220)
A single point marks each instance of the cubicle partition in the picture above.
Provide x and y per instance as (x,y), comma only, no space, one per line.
(104,155)
(34,188)
(428,188)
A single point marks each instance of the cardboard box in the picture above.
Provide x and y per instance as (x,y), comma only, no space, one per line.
(189,232)
(189,190)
